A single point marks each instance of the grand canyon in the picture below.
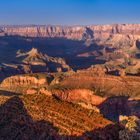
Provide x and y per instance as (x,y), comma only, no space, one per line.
(70,82)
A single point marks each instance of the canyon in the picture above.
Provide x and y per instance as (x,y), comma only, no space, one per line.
(126,34)
(111,95)
(77,47)
(79,78)
(72,32)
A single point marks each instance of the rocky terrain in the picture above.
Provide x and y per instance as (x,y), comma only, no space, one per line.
(111,95)
(70,82)
(67,111)
(117,35)
(33,62)
(72,32)
(43,117)
(114,46)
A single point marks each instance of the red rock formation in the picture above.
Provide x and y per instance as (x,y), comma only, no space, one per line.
(78,96)
(73,32)
(21,81)
(118,35)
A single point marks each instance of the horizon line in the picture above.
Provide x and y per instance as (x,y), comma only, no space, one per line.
(61,25)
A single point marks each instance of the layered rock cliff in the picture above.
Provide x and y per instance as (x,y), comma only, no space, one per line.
(117,35)
(15,81)
(73,32)
(34,58)
(78,96)
(111,107)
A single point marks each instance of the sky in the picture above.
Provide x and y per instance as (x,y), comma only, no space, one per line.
(69,12)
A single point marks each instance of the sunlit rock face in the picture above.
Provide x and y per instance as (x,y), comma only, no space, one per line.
(78,96)
(22,81)
(114,35)
(46,31)
(72,32)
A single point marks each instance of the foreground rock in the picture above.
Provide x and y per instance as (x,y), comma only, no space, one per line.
(45,118)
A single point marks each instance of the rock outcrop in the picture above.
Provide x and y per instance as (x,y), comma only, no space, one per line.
(111,107)
(104,85)
(22,81)
(34,58)
(77,96)
(32,61)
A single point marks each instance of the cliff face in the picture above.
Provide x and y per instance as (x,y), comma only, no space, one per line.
(46,31)
(118,35)
(21,81)
(78,96)
(73,32)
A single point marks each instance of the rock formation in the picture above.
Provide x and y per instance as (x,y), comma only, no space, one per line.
(32,61)
(103,33)
(73,32)
(35,58)
(78,96)
(80,46)
(22,81)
